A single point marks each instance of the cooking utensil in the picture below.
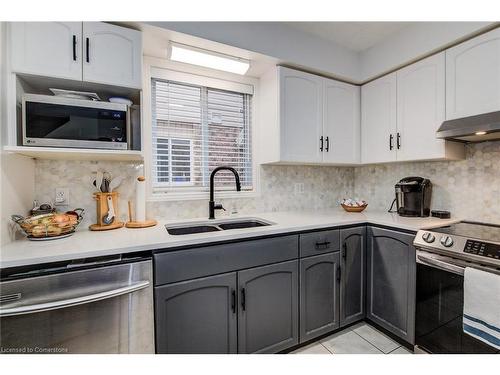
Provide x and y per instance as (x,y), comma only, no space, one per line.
(110,216)
(115,182)
(105,185)
(106,178)
(98,180)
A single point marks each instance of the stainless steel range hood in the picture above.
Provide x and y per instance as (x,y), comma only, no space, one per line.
(484,127)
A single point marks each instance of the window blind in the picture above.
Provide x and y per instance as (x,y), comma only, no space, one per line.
(196,129)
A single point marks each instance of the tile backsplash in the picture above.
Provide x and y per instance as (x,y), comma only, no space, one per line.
(469,188)
(323,187)
(78,176)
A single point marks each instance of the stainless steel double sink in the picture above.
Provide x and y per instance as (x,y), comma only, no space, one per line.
(215,225)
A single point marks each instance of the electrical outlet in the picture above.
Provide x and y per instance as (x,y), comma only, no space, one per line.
(62,197)
(299,188)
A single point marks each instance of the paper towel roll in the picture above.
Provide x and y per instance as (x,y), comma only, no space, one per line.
(140,199)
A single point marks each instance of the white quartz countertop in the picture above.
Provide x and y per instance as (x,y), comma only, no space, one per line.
(87,244)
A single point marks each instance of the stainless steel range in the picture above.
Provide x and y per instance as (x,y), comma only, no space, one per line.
(470,241)
(442,254)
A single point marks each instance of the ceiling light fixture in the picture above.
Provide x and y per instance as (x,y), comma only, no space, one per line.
(209,59)
(480,133)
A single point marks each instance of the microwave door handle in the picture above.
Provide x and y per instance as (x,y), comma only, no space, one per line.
(69,302)
(445,266)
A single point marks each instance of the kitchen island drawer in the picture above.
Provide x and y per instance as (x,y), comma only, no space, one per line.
(203,261)
(316,243)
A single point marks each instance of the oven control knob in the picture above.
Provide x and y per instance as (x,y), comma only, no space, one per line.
(446,241)
(428,237)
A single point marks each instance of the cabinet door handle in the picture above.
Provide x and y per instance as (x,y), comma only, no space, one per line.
(327,144)
(321,143)
(87,48)
(398,141)
(233,301)
(344,247)
(322,245)
(74,47)
(243,299)
(338,273)
(391,137)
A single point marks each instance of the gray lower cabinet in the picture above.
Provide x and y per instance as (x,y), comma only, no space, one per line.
(197,316)
(319,295)
(391,281)
(353,275)
(320,242)
(268,308)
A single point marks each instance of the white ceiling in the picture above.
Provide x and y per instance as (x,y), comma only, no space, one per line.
(356,36)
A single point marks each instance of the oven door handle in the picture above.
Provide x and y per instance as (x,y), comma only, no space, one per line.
(445,266)
(54,305)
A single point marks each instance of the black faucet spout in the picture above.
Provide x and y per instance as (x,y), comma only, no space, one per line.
(212,206)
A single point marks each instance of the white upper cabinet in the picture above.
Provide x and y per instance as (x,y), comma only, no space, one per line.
(401,113)
(421,109)
(47,48)
(473,76)
(308,119)
(91,51)
(300,114)
(112,54)
(378,120)
(341,122)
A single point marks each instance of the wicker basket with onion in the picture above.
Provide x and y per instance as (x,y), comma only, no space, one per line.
(51,225)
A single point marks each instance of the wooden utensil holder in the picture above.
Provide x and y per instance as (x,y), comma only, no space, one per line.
(102,210)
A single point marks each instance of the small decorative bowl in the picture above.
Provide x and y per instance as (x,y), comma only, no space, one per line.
(353,208)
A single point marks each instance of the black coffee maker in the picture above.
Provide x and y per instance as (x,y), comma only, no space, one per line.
(413,197)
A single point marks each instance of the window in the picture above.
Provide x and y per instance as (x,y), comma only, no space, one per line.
(174,161)
(196,129)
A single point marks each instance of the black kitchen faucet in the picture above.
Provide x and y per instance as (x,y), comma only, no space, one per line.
(212,206)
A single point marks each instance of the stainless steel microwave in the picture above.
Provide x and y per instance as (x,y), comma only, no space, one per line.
(51,121)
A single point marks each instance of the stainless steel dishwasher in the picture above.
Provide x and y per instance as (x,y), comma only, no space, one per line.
(86,308)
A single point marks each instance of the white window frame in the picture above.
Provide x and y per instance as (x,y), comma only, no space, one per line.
(169,70)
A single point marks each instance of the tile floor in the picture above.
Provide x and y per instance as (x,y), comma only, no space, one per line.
(357,339)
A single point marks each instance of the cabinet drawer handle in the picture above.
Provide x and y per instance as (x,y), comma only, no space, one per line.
(243,299)
(344,253)
(398,141)
(338,273)
(74,47)
(327,144)
(321,143)
(87,48)
(391,137)
(233,301)
(323,245)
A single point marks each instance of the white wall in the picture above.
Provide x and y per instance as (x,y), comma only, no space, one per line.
(17,173)
(412,43)
(277,40)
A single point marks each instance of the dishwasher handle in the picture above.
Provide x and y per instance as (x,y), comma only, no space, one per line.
(69,302)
